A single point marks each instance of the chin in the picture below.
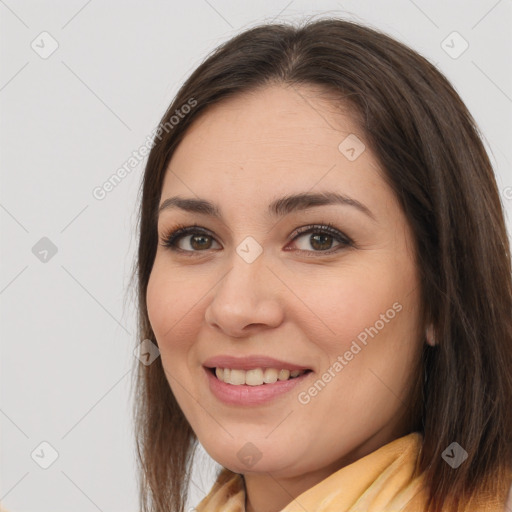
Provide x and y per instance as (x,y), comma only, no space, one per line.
(261,466)
(256,457)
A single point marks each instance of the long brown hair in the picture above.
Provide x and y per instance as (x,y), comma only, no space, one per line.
(430,148)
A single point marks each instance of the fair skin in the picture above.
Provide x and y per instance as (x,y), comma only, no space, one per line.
(303,307)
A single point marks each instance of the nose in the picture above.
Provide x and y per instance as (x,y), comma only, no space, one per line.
(245,300)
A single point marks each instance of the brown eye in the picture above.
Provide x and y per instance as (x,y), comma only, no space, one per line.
(320,242)
(318,239)
(321,239)
(197,242)
(189,239)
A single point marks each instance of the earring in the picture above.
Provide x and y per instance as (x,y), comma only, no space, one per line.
(430,335)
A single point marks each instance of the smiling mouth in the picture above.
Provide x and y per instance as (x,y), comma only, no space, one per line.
(255,376)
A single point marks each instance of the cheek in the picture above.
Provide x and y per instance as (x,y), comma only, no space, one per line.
(173,305)
(172,311)
(365,375)
(342,305)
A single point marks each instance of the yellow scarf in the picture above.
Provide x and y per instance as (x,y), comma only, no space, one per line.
(386,480)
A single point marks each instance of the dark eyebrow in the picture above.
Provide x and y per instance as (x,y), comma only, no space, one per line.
(278,208)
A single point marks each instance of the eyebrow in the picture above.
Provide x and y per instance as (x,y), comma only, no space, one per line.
(278,208)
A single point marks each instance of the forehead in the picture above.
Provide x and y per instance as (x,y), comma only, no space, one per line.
(273,140)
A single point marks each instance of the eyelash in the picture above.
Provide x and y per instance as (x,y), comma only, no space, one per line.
(173,236)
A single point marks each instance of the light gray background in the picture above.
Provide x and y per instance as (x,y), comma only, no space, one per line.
(67,123)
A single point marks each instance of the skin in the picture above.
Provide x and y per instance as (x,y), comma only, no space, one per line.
(306,308)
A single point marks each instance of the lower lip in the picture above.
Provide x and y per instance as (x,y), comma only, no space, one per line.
(250,395)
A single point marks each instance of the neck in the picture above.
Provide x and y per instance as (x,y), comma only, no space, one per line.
(266,493)
(271,492)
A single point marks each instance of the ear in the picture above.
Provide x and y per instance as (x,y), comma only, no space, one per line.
(430,335)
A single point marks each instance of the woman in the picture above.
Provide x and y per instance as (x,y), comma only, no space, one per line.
(324,266)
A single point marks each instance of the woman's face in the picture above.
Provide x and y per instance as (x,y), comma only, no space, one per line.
(264,279)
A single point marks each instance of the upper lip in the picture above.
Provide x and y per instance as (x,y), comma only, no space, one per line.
(250,362)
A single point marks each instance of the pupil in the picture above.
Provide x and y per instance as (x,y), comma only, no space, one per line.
(201,244)
(320,246)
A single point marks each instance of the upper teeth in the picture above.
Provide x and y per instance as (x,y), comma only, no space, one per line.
(255,377)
